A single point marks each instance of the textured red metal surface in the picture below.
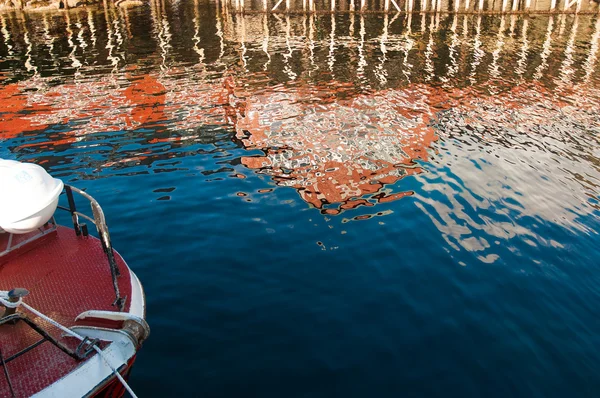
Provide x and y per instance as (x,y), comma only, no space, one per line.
(66,276)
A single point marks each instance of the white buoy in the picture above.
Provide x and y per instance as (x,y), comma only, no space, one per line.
(29,196)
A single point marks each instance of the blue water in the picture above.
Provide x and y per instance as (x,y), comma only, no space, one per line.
(481,280)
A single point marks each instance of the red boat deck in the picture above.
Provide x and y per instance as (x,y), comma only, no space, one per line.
(66,275)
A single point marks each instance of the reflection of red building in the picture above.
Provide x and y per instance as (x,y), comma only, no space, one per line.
(146,96)
(339,149)
(14,110)
(87,107)
(341,152)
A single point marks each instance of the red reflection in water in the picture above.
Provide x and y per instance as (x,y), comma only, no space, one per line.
(341,152)
(338,149)
(146,96)
(83,107)
(14,111)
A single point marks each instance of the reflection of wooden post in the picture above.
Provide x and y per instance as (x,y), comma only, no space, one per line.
(569,4)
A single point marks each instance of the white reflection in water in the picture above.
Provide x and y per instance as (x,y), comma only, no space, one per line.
(163,33)
(331,55)
(494,66)
(75,63)
(81,34)
(592,57)
(380,71)
(114,60)
(265,41)
(49,40)
(117,33)
(219,34)
(196,38)
(351,27)
(546,50)
(513,22)
(522,62)
(452,67)
(28,60)
(362,62)
(242,39)
(429,54)
(92,26)
(493,177)
(478,53)
(311,43)
(6,35)
(563,24)
(566,70)
(287,56)
(408,46)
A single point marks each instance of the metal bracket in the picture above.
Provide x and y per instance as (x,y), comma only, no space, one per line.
(85,347)
(136,326)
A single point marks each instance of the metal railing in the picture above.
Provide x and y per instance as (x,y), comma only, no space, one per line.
(100,222)
(80,229)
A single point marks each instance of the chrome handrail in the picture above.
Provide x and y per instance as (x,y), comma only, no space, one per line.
(100,222)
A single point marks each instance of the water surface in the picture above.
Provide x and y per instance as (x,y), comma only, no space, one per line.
(331,205)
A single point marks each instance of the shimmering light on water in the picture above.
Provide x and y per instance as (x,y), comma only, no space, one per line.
(331,205)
